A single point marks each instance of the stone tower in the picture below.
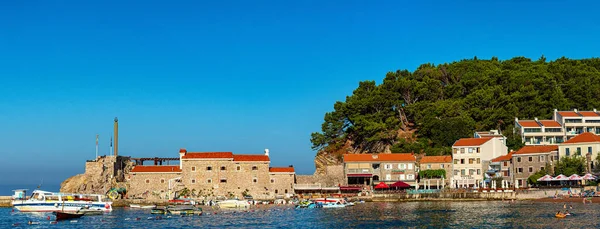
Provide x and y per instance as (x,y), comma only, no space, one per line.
(116,137)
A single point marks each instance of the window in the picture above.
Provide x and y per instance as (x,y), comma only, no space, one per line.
(505,173)
(388,166)
(456,172)
(443,166)
(590,150)
(471,172)
(470,150)
(530,158)
(518,159)
(506,163)
(567,152)
(193,181)
(272,180)
(286,191)
(223,180)
(456,161)
(238,168)
(255,167)
(478,171)
(402,166)
(478,150)
(162,181)
(462,161)
(531,169)
(462,150)
(428,166)
(388,177)
(410,177)
(471,160)
(254,180)
(209,168)
(463,172)
(209,181)
(410,166)
(276,191)
(578,150)
(193,168)
(402,177)
(542,168)
(519,170)
(455,150)
(542,158)
(375,166)
(147,181)
(223,168)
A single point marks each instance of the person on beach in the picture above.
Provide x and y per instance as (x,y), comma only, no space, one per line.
(570,206)
(565,205)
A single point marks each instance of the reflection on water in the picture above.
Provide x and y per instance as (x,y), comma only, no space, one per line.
(479,214)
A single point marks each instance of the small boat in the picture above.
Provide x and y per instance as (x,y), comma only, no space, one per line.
(44,201)
(233,204)
(560,215)
(158,210)
(181,210)
(91,211)
(142,206)
(65,215)
(334,205)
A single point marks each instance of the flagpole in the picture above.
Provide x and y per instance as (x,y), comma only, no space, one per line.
(96,146)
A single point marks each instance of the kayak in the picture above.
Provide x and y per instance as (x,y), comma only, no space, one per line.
(560,216)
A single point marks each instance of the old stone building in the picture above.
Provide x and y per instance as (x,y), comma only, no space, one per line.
(214,175)
(531,159)
(435,163)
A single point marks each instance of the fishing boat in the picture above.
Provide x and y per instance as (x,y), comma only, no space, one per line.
(142,206)
(181,210)
(61,215)
(44,201)
(233,204)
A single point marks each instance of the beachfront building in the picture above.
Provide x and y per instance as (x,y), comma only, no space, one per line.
(437,163)
(586,145)
(530,159)
(215,174)
(471,157)
(501,167)
(563,126)
(370,169)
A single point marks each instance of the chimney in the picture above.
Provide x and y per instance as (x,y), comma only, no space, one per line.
(595,110)
(536,119)
(182,153)
(575,110)
(116,137)
(266,152)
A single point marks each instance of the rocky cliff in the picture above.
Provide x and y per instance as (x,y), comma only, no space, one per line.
(100,176)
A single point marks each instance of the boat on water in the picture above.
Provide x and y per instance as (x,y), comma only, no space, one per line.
(158,210)
(44,201)
(142,206)
(181,210)
(61,215)
(331,202)
(233,204)
(91,211)
(309,204)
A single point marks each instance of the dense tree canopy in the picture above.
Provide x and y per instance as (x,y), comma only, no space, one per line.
(449,101)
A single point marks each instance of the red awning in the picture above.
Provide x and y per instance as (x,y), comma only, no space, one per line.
(381,185)
(360,175)
(350,188)
(400,184)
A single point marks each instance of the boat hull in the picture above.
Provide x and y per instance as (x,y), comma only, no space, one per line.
(67,206)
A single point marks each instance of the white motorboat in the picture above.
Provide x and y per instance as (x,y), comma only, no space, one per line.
(334,205)
(43,201)
(233,204)
(142,206)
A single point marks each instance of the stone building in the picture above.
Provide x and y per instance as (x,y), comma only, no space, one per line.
(434,163)
(469,157)
(216,175)
(152,182)
(531,159)
(586,145)
(370,169)
(502,167)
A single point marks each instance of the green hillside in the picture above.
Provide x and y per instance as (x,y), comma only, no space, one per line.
(430,108)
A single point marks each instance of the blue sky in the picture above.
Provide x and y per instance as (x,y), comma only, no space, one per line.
(235,76)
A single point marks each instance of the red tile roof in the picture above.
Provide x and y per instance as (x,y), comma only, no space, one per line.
(436,159)
(281,169)
(583,138)
(380,157)
(550,123)
(248,157)
(537,149)
(503,158)
(568,114)
(471,141)
(208,155)
(156,169)
(588,114)
(528,123)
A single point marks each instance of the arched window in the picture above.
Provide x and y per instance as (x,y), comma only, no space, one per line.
(162,181)
(254,180)
(276,191)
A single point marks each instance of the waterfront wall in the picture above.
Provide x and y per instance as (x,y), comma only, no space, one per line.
(518,195)
(5,201)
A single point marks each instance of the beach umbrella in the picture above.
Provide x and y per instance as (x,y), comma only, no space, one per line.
(561,178)
(399,184)
(588,176)
(574,177)
(381,185)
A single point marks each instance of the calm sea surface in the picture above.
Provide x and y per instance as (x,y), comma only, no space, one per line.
(367,215)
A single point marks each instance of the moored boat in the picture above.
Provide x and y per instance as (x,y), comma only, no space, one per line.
(44,201)
(158,210)
(142,206)
(61,215)
(181,210)
(233,204)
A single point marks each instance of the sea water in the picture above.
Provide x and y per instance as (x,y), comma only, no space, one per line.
(478,214)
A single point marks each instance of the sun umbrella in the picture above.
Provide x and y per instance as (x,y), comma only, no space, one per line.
(561,177)
(400,184)
(545,178)
(381,185)
(574,177)
(588,176)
